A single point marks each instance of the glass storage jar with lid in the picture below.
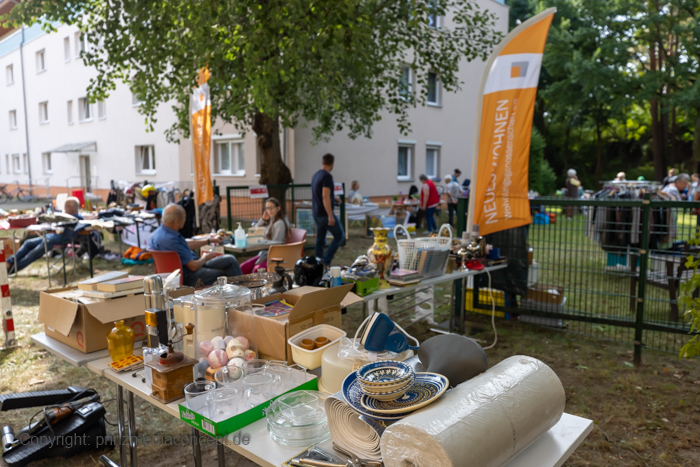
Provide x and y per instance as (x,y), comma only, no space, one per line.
(223,310)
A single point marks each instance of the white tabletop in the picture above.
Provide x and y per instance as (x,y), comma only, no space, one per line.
(250,248)
(432,281)
(69,354)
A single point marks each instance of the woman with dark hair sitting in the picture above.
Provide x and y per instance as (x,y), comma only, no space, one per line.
(277,229)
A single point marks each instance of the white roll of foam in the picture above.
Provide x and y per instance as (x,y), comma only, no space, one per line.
(483,422)
(353,431)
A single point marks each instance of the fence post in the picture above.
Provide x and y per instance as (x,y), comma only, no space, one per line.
(228,207)
(642,282)
(461,222)
(342,215)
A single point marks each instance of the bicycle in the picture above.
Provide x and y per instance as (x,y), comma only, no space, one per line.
(24,196)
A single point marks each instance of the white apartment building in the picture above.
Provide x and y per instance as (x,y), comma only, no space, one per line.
(48,128)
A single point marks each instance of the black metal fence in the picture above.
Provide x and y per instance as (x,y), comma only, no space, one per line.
(604,268)
(240,207)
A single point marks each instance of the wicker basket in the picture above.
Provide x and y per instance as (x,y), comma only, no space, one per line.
(427,255)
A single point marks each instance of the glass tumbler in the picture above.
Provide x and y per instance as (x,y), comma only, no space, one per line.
(196,395)
(229,376)
(224,403)
(257,389)
(280,377)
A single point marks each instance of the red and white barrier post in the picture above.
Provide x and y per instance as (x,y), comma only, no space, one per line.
(8,322)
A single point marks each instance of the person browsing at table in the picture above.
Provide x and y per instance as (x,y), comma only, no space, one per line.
(34,248)
(322,209)
(429,201)
(208,267)
(277,229)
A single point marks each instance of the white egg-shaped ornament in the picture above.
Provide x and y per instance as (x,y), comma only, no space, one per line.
(218,342)
(217,358)
(236,353)
(239,362)
(232,347)
(244,342)
(234,371)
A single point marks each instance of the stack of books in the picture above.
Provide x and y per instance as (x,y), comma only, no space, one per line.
(404,277)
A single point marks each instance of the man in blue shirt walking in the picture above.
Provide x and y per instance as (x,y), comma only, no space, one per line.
(322,207)
(208,267)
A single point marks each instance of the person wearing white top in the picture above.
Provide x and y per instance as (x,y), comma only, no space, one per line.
(452,193)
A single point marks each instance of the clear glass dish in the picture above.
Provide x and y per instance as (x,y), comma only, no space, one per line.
(298,419)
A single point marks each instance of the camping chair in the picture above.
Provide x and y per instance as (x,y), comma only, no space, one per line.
(296,236)
(166,262)
(290,253)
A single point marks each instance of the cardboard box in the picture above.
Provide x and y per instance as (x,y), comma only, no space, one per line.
(84,325)
(312,306)
(546,293)
(225,427)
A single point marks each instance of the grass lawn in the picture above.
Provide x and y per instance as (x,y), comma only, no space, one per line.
(647,416)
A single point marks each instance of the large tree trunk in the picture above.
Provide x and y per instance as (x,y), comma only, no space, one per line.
(273,170)
(657,142)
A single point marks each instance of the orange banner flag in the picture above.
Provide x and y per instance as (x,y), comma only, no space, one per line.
(500,166)
(200,121)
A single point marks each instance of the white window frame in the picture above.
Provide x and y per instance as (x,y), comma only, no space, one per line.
(409,162)
(80,43)
(435,18)
(436,162)
(236,150)
(10,74)
(7,164)
(69,111)
(13,119)
(47,163)
(41,61)
(85,110)
(16,164)
(44,112)
(409,91)
(101,110)
(151,154)
(436,102)
(66,49)
(25,164)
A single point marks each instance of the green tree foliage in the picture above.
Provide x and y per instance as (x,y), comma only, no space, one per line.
(332,64)
(542,178)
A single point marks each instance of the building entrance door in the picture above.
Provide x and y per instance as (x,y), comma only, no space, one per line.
(85,175)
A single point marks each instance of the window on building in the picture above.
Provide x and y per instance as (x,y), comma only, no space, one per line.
(40,61)
(432,162)
(44,112)
(9,75)
(406,83)
(66,49)
(13,119)
(84,110)
(25,164)
(80,43)
(405,153)
(145,160)
(101,110)
(433,89)
(16,168)
(46,162)
(433,16)
(229,158)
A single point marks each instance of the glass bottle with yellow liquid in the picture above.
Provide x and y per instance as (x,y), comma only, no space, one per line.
(120,341)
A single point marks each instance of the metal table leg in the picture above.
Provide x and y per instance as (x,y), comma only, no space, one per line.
(220,454)
(138,234)
(196,448)
(46,255)
(132,428)
(123,446)
(14,249)
(89,242)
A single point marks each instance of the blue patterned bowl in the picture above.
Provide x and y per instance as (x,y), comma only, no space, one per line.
(426,389)
(384,391)
(384,373)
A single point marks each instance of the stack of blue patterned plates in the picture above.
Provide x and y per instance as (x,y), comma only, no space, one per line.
(385,380)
